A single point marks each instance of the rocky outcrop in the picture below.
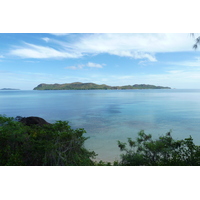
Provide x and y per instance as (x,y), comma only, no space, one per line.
(29,121)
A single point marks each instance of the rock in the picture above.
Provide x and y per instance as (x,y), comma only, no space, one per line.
(29,121)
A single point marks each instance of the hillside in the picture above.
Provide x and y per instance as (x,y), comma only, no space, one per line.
(8,89)
(93,86)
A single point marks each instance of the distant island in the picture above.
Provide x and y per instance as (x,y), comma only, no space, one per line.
(93,86)
(9,89)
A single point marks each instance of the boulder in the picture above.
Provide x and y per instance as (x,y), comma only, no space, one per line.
(29,121)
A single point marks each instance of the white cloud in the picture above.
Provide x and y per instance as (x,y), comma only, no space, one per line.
(134,54)
(75,67)
(36,51)
(60,34)
(95,65)
(89,64)
(46,39)
(187,63)
(136,46)
(31,61)
(137,42)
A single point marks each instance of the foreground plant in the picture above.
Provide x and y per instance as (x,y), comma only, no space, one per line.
(164,151)
(52,144)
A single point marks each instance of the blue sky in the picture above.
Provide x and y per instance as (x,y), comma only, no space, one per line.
(27,60)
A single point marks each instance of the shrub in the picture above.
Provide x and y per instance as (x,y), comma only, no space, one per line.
(164,151)
(47,145)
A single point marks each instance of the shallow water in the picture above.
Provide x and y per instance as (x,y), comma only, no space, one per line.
(111,115)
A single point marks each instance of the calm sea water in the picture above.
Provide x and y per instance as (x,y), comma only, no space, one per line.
(111,115)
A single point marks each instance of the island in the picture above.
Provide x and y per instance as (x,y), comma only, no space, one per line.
(93,86)
(9,89)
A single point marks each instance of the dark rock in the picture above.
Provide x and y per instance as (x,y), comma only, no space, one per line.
(29,121)
(18,118)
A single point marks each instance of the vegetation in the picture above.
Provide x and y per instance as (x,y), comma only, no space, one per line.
(164,151)
(93,86)
(58,144)
(8,89)
(197,41)
(53,144)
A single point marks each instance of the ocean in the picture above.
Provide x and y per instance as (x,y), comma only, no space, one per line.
(111,115)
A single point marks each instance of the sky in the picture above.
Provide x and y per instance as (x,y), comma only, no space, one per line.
(164,59)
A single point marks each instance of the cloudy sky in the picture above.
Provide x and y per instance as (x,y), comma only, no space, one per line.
(27,60)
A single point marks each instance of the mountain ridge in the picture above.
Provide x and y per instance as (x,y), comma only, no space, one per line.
(93,86)
(9,89)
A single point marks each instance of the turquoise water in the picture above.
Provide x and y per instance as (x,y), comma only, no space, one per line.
(111,115)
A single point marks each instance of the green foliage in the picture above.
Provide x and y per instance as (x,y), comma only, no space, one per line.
(59,145)
(165,151)
(197,41)
(102,163)
(93,86)
(47,145)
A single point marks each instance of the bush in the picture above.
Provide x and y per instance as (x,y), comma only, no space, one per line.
(47,145)
(59,145)
(165,151)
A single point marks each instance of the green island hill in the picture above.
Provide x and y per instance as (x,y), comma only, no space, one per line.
(93,86)
(9,89)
